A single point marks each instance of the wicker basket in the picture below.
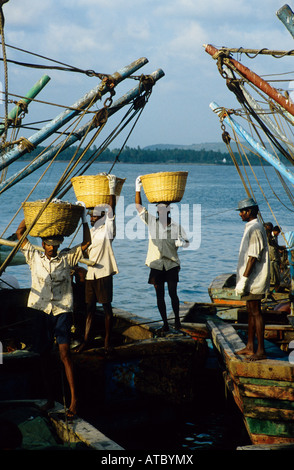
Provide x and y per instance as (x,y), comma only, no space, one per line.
(166,186)
(60,218)
(94,189)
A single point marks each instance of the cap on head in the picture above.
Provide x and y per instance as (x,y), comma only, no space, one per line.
(53,241)
(246,204)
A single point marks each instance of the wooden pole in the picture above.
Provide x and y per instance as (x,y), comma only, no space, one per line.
(44,158)
(253,78)
(274,161)
(31,94)
(87,100)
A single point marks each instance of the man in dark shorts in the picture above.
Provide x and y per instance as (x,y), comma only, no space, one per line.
(165,237)
(99,278)
(253,275)
(52,297)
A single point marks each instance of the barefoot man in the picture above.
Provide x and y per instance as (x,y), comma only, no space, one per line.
(52,298)
(253,275)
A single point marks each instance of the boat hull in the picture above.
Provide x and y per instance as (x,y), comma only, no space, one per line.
(142,364)
(263,390)
(51,430)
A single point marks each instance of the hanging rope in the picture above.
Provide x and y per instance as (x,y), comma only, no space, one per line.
(5,71)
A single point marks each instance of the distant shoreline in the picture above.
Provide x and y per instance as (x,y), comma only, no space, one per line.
(150,155)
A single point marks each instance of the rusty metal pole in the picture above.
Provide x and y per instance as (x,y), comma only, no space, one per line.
(253,78)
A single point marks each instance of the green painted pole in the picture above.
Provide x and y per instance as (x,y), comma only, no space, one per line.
(31,94)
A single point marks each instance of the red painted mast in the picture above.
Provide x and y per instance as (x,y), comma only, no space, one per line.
(255,79)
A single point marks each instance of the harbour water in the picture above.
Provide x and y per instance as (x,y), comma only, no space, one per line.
(208,215)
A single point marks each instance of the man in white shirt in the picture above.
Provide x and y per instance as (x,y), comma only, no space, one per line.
(99,278)
(165,237)
(51,295)
(253,275)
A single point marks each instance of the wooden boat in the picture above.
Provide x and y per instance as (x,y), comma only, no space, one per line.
(263,390)
(142,365)
(222,293)
(33,429)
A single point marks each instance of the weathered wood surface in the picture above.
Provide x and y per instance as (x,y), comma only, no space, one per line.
(263,390)
(67,431)
(145,364)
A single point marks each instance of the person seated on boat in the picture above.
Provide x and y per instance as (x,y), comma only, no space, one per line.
(99,278)
(275,259)
(51,296)
(253,275)
(165,237)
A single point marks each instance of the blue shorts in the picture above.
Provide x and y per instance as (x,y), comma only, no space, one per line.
(48,327)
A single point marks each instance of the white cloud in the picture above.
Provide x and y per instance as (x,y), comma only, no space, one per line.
(105,36)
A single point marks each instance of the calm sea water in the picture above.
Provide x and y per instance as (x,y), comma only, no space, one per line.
(206,212)
(215,229)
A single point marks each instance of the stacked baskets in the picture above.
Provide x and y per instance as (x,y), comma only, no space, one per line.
(168,186)
(93,190)
(59,218)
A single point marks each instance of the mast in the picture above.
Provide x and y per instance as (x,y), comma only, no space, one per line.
(253,78)
(274,161)
(31,94)
(116,106)
(286,15)
(90,98)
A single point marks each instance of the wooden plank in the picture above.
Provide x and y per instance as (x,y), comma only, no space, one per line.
(265,413)
(271,428)
(228,342)
(273,383)
(267,447)
(280,393)
(225,338)
(269,402)
(262,439)
(265,369)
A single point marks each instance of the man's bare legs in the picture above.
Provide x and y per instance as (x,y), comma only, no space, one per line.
(255,327)
(64,352)
(159,289)
(172,290)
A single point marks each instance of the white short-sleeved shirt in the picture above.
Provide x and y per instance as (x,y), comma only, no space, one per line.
(162,252)
(51,289)
(100,251)
(254,243)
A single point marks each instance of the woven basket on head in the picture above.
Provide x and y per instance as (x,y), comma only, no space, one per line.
(94,189)
(59,218)
(168,186)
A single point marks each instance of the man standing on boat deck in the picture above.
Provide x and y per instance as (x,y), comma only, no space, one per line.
(165,237)
(99,278)
(253,275)
(51,295)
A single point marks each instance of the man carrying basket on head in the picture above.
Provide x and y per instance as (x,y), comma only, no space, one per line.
(99,278)
(51,295)
(165,237)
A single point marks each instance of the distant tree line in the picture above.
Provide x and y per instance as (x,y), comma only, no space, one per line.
(138,155)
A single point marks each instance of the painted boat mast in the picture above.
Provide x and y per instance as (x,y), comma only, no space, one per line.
(274,161)
(31,94)
(253,78)
(286,15)
(90,98)
(44,158)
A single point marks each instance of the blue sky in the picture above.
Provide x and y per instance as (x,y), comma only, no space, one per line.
(105,36)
